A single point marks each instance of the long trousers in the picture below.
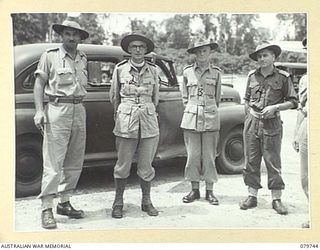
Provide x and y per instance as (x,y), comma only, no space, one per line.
(63,147)
(145,148)
(202,150)
(262,138)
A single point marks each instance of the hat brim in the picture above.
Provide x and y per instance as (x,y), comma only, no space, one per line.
(134,37)
(274,48)
(59,28)
(212,46)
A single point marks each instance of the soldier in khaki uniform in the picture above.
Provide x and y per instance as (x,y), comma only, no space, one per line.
(62,76)
(269,90)
(201,91)
(134,94)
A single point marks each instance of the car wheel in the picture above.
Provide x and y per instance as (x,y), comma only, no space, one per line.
(231,158)
(28,166)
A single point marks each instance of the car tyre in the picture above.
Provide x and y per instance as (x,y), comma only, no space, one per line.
(28,166)
(231,158)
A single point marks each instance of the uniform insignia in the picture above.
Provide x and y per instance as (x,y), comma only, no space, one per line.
(82,54)
(52,49)
(200,91)
(188,66)
(151,63)
(215,67)
(285,73)
(251,72)
(122,62)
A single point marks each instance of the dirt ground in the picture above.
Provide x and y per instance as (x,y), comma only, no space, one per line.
(167,191)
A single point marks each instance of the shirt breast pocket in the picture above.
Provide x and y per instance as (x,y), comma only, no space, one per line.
(254,90)
(65,76)
(126,77)
(192,88)
(275,89)
(210,86)
(148,81)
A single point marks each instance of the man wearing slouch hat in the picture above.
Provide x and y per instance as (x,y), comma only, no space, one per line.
(269,91)
(61,76)
(134,94)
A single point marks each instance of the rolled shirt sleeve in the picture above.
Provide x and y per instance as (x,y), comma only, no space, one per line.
(43,68)
(291,94)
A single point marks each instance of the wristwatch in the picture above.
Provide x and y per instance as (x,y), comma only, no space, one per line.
(277,108)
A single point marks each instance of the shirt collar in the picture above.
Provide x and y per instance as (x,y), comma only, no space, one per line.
(144,67)
(64,53)
(195,67)
(275,70)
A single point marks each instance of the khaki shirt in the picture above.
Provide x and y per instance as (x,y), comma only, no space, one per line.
(63,75)
(135,96)
(270,90)
(201,93)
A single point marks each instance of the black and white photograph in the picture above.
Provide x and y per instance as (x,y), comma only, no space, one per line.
(145,120)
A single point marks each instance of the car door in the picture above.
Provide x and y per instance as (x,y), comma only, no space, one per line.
(100,143)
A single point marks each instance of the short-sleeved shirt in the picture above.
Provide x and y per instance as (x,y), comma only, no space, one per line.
(270,90)
(64,76)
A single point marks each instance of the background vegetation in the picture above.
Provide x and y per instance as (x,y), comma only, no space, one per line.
(236,34)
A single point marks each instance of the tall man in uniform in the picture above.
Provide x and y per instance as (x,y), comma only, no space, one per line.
(62,76)
(269,90)
(134,94)
(201,91)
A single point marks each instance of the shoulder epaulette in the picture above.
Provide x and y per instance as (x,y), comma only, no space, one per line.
(215,67)
(122,62)
(151,63)
(82,54)
(52,49)
(251,72)
(188,66)
(285,73)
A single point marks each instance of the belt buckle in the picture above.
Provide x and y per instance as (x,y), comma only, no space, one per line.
(56,100)
(137,99)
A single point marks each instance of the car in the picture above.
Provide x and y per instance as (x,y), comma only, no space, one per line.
(100,143)
(295,69)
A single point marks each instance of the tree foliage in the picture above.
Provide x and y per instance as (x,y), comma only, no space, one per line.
(236,34)
(178,31)
(299,21)
(36,28)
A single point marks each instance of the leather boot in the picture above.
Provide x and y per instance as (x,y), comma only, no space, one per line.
(279,207)
(66,209)
(248,203)
(120,185)
(211,198)
(146,204)
(192,196)
(47,219)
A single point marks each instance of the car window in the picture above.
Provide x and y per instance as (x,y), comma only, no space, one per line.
(165,73)
(99,73)
(28,82)
(164,81)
